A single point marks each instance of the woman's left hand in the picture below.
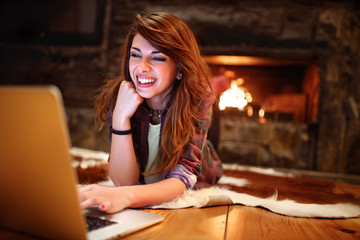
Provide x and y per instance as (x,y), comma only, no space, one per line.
(108,199)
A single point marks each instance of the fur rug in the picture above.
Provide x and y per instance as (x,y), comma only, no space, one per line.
(285,194)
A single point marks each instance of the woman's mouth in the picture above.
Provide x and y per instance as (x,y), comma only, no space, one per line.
(146,80)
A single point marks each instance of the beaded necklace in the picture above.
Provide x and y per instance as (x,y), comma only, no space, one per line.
(155,116)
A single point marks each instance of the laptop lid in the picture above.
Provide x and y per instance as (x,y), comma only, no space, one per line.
(35,164)
(37,181)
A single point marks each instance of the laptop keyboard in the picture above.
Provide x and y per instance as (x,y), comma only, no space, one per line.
(93,223)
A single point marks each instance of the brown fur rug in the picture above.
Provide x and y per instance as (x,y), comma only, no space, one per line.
(286,194)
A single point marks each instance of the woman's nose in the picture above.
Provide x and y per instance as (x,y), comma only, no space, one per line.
(144,66)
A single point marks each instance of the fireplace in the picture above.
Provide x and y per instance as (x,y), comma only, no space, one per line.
(285,89)
(274,126)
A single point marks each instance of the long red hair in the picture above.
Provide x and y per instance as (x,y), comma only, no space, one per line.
(171,36)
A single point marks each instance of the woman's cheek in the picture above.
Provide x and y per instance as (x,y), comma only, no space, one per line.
(131,70)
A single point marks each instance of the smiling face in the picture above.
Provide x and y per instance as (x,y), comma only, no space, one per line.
(152,72)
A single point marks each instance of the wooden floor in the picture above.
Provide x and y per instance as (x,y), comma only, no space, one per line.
(240,222)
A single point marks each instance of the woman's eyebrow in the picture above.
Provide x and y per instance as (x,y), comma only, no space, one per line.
(155,52)
(137,49)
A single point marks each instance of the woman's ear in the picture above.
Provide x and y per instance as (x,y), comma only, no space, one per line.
(179,76)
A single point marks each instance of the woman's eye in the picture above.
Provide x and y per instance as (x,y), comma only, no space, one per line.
(159,59)
(135,55)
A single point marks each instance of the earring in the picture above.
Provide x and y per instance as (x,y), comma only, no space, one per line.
(179,76)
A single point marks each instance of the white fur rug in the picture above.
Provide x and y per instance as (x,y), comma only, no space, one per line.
(219,196)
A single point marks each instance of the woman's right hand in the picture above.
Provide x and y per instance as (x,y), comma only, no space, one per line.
(123,168)
(128,100)
(108,199)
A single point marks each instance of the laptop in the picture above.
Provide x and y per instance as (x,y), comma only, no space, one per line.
(37,180)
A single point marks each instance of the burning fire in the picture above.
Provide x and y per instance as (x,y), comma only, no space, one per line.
(236,96)
(261,113)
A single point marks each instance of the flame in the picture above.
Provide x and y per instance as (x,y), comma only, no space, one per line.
(262,118)
(235,96)
(261,113)
(250,111)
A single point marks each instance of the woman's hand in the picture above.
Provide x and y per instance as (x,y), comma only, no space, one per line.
(108,199)
(128,100)
(114,199)
(123,168)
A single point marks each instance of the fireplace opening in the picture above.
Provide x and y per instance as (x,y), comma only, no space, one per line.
(276,126)
(281,89)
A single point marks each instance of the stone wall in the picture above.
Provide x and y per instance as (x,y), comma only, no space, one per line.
(269,144)
(326,31)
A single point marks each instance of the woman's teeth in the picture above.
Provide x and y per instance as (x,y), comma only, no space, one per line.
(146,80)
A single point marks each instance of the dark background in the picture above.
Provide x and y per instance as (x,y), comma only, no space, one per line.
(75,45)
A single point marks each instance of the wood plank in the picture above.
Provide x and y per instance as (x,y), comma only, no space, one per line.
(255,223)
(190,223)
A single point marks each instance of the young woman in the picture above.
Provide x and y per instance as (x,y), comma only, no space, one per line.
(158,112)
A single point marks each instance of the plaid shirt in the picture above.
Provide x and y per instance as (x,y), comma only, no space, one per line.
(199,166)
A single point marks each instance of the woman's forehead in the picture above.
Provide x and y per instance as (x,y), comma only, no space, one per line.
(140,42)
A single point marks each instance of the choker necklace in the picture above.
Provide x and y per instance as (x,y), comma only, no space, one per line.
(155,116)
